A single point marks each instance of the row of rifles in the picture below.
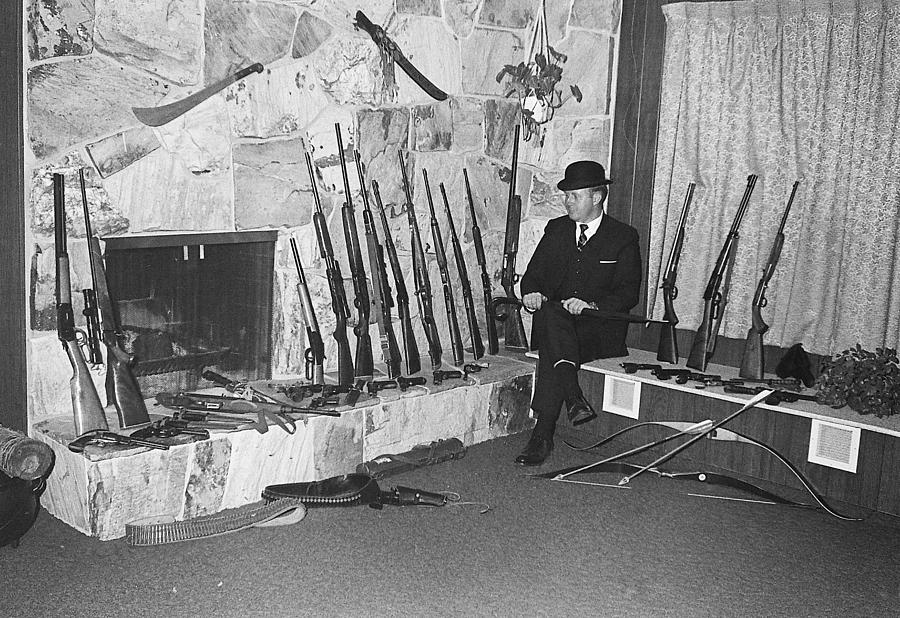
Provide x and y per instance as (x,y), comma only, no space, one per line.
(715,294)
(381,300)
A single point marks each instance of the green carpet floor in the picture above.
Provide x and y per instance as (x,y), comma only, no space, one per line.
(545,548)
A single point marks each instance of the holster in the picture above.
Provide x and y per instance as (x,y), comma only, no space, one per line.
(407,496)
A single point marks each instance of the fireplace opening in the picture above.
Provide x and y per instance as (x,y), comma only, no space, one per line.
(189,302)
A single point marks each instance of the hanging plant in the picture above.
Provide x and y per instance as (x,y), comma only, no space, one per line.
(536,82)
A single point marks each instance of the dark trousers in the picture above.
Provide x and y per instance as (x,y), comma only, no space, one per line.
(556,381)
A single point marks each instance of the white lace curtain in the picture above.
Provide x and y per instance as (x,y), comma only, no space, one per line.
(789,90)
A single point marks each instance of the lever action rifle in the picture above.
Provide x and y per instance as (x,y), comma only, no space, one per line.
(122,388)
(420,275)
(715,296)
(315,353)
(486,288)
(381,289)
(514,331)
(335,284)
(667,350)
(444,270)
(364,361)
(753,363)
(86,404)
(468,301)
(410,348)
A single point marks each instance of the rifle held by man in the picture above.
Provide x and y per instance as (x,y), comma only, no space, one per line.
(335,284)
(122,389)
(667,350)
(364,361)
(420,275)
(410,347)
(753,362)
(468,301)
(86,406)
(314,355)
(486,288)
(715,296)
(444,270)
(381,290)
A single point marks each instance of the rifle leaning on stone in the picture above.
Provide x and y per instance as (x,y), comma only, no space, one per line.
(381,289)
(314,355)
(486,288)
(715,296)
(335,284)
(86,404)
(410,348)
(364,362)
(420,275)
(753,363)
(90,313)
(468,301)
(514,330)
(122,388)
(444,270)
(667,350)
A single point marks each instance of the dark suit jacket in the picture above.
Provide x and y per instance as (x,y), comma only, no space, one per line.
(610,276)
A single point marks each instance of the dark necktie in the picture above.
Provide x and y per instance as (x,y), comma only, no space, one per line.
(582,238)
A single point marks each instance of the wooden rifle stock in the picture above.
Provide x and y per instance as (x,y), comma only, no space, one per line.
(468,301)
(86,407)
(381,290)
(444,271)
(420,275)
(335,285)
(410,348)
(753,362)
(486,287)
(715,296)
(365,366)
(315,354)
(122,389)
(667,350)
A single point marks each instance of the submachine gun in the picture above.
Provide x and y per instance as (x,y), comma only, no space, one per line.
(514,330)
(667,351)
(716,294)
(753,363)
(86,404)
(122,390)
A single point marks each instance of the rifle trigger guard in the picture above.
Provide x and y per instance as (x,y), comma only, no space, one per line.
(310,359)
(674,292)
(763,301)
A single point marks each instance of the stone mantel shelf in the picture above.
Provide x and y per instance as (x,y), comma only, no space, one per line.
(809,409)
(100,491)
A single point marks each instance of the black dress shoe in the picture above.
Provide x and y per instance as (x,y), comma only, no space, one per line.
(580,411)
(536,451)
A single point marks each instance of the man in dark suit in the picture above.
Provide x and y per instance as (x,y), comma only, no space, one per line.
(584,259)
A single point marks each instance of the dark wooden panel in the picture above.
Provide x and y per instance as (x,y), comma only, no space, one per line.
(13,397)
(889,496)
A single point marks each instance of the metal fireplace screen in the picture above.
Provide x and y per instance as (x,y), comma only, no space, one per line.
(190,302)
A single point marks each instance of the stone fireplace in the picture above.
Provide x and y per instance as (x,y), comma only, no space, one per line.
(233,167)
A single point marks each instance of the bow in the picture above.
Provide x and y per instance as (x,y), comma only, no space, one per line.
(611,464)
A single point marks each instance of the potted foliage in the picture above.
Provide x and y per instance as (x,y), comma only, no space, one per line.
(868,382)
(536,82)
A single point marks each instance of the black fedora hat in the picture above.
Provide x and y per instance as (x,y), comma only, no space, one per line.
(582,175)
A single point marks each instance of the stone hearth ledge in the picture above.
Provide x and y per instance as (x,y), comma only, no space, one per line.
(97,494)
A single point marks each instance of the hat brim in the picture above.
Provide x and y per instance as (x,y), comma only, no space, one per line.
(572,185)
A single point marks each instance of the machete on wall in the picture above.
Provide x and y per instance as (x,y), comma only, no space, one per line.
(390,54)
(157,116)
